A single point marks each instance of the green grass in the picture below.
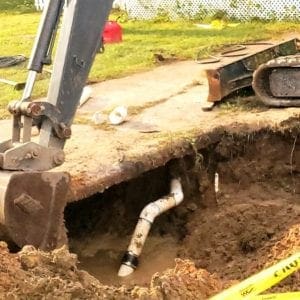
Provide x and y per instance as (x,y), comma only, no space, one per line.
(142,40)
(17,6)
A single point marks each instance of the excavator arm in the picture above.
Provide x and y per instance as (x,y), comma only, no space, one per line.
(32,193)
(32,198)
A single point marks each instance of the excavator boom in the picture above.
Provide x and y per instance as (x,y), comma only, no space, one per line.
(32,199)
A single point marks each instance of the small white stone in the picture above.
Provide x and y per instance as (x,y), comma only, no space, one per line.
(98,118)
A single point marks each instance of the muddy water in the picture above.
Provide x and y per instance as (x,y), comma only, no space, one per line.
(102,259)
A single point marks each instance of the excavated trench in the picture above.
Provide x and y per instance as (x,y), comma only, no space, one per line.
(253,221)
(195,250)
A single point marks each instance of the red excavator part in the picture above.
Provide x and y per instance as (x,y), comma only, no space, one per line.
(112,32)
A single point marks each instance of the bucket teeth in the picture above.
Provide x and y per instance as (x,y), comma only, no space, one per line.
(32,207)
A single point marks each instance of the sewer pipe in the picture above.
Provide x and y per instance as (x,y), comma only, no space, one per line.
(146,219)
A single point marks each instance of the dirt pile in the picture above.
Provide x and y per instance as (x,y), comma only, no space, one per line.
(288,244)
(257,218)
(244,234)
(32,274)
(185,281)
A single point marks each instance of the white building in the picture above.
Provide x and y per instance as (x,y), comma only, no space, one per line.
(39,4)
(240,9)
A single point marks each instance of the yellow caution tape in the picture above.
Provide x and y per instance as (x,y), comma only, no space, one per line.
(260,282)
(280,296)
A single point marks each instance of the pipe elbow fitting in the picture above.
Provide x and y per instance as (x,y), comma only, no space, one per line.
(150,212)
(176,190)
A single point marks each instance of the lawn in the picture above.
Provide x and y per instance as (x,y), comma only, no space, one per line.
(142,39)
(17,6)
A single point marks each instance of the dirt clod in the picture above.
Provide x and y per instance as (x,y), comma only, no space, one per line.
(185,281)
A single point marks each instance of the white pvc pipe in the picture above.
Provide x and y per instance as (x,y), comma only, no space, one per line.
(86,95)
(216,183)
(147,216)
(118,115)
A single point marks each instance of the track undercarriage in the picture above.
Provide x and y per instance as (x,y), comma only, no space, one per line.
(277,83)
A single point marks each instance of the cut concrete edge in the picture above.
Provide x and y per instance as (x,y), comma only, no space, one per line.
(86,184)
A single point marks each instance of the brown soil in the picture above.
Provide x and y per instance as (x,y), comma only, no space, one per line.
(247,232)
(33,274)
(250,224)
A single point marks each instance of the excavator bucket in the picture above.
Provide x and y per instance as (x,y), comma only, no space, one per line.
(32,206)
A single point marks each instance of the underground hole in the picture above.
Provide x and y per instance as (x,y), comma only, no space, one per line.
(254,217)
(105,222)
